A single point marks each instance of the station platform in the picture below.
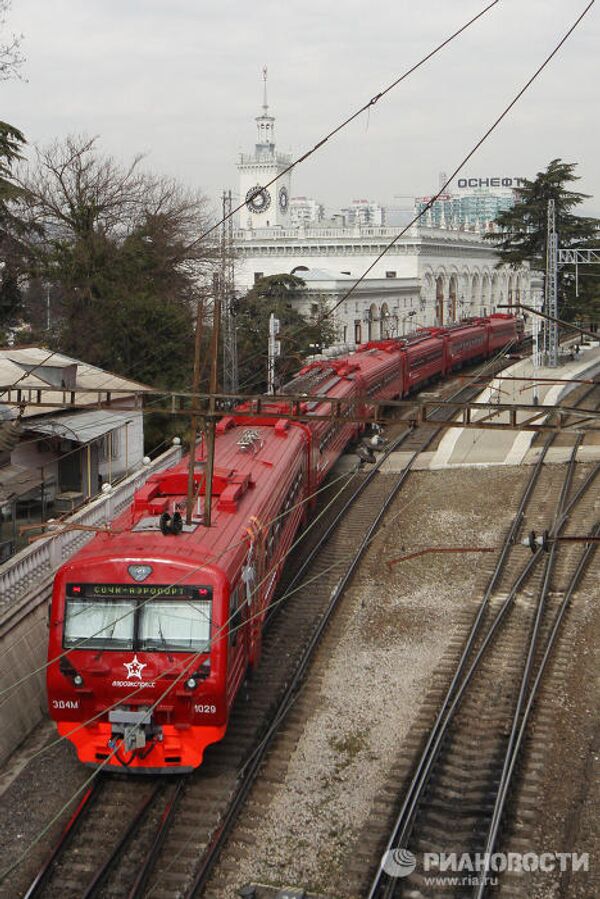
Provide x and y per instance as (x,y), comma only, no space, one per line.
(473,448)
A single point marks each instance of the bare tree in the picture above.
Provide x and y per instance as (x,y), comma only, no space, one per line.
(120,247)
(11,57)
(74,192)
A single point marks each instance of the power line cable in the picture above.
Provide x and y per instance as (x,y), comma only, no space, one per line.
(461,165)
(211,560)
(365,108)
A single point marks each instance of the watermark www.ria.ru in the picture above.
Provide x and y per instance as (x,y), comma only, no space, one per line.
(469,869)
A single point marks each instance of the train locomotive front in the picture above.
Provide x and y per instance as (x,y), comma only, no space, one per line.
(153,627)
(141,661)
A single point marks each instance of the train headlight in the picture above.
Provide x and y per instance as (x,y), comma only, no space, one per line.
(78,680)
(191,683)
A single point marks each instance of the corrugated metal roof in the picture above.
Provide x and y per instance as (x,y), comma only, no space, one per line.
(88,376)
(82,427)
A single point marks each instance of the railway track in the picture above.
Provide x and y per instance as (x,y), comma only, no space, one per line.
(128,834)
(456,795)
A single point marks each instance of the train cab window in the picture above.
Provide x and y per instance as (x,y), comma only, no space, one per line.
(176,626)
(99,624)
(137,620)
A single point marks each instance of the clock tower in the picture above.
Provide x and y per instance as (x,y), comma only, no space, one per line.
(265,207)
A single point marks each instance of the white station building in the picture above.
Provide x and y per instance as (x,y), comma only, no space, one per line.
(429,276)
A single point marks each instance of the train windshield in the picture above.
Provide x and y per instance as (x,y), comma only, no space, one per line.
(100,624)
(175,626)
(178,624)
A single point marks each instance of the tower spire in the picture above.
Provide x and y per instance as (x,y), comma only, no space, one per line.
(265,104)
(265,125)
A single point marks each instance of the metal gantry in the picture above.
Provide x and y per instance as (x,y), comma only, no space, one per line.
(556,258)
(303,407)
(577,258)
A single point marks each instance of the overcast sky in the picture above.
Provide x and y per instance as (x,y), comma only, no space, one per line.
(181,82)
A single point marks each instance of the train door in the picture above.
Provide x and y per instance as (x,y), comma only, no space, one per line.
(255,595)
(237,652)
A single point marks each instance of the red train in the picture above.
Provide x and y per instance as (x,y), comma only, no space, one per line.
(154,625)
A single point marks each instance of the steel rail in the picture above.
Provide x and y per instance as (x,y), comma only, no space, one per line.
(250,770)
(139,886)
(103,872)
(508,764)
(429,753)
(73,823)
(505,782)
(448,707)
(381,885)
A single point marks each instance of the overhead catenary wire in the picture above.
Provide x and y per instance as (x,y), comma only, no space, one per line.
(367,106)
(466,158)
(473,377)
(209,560)
(302,585)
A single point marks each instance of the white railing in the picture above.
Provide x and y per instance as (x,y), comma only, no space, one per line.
(307,234)
(23,571)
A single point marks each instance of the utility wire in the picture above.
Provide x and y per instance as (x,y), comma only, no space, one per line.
(365,108)
(461,165)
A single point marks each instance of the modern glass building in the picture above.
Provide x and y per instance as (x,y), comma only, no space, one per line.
(473,209)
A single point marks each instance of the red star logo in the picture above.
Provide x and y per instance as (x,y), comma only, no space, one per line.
(135,668)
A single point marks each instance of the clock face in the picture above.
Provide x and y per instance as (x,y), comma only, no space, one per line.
(283,199)
(258,199)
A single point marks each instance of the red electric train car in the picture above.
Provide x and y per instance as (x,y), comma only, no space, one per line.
(154,624)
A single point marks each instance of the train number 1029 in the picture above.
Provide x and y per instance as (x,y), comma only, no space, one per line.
(205,709)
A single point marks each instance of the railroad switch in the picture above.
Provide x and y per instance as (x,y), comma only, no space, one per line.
(535,541)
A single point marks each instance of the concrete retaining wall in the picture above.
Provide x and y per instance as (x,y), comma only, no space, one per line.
(25,591)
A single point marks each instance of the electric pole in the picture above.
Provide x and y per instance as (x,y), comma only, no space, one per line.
(551,289)
(212,389)
(195,411)
(274,349)
(230,356)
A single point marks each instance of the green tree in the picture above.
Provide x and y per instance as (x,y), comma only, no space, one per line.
(522,230)
(119,247)
(13,227)
(300,334)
